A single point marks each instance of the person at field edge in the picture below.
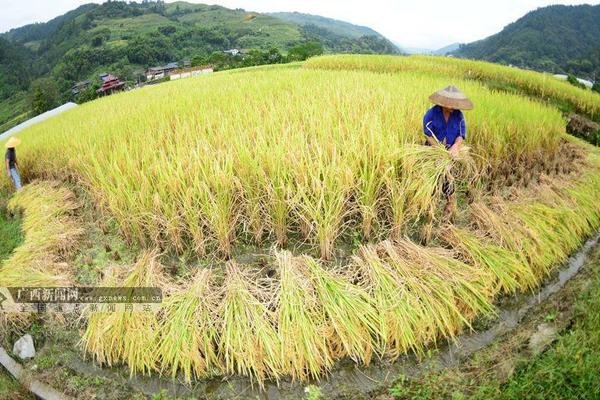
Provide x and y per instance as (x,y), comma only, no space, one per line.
(11,162)
(444,124)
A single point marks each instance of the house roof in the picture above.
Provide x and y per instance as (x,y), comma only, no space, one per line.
(171,65)
(110,82)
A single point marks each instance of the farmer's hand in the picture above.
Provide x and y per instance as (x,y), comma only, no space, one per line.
(454,151)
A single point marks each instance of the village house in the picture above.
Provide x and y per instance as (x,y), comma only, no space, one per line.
(110,84)
(160,71)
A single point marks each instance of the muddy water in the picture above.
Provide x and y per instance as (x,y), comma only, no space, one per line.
(351,381)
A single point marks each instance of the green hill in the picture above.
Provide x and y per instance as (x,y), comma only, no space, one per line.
(125,38)
(559,39)
(338,27)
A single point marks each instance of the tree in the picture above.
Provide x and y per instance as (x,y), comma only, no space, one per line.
(43,95)
(274,56)
(167,30)
(89,94)
(148,50)
(198,60)
(100,37)
(596,87)
(219,60)
(304,51)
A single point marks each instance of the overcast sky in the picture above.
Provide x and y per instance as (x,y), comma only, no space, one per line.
(410,23)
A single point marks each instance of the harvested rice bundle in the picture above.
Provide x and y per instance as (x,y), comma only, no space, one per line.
(127,336)
(301,322)
(186,331)
(423,171)
(399,311)
(50,232)
(505,229)
(349,310)
(248,342)
(586,205)
(511,271)
(536,231)
(552,233)
(450,292)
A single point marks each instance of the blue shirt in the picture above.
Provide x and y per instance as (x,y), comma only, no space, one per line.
(447,133)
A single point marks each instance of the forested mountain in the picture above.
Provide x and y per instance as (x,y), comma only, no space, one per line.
(559,39)
(125,38)
(338,27)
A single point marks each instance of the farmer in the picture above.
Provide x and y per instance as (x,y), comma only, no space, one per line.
(11,161)
(444,124)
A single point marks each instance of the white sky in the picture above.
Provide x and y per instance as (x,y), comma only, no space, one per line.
(411,23)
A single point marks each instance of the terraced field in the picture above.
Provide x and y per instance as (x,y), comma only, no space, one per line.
(308,213)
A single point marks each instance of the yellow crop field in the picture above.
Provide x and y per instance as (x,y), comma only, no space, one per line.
(277,153)
(540,85)
(321,168)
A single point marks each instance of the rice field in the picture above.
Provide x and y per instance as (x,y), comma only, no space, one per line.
(261,157)
(324,166)
(539,85)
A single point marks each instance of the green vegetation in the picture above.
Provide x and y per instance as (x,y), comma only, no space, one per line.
(557,39)
(573,81)
(10,389)
(10,232)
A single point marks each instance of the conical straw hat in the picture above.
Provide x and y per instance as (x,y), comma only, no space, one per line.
(451,97)
(12,142)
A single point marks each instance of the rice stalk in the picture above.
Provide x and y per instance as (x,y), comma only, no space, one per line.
(301,324)
(349,310)
(186,330)
(126,336)
(248,343)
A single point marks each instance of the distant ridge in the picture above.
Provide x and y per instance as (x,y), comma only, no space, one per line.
(334,25)
(558,39)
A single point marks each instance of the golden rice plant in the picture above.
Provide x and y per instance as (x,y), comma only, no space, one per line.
(323,197)
(186,329)
(126,336)
(301,322)
(350,311)
(248,343)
